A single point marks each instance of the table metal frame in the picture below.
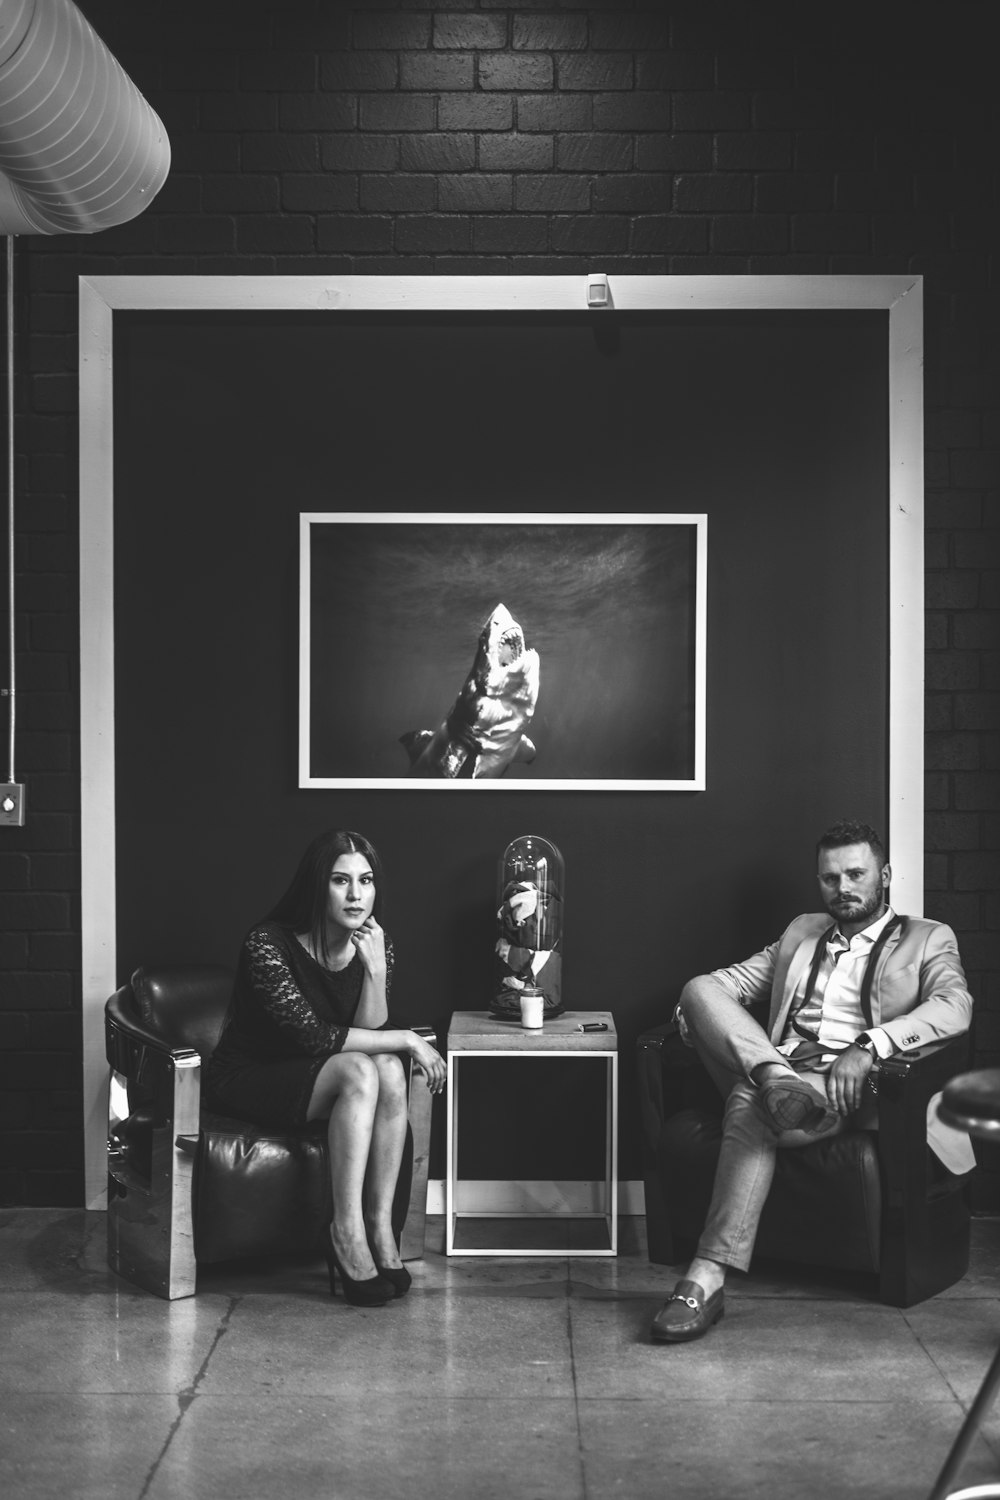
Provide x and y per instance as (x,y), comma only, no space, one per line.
(453,1213)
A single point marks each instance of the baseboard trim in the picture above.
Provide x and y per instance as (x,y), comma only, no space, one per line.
(536,1197)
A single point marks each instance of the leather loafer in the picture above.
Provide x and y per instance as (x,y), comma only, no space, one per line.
(790,1104)
(687,1313)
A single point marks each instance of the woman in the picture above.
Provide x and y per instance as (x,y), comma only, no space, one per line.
(306,1038)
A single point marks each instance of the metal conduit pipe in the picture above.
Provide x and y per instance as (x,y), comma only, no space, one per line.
(80,149)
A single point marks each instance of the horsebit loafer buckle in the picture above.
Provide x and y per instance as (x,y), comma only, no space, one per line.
(703,1312)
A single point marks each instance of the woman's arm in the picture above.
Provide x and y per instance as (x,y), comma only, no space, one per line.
(276,991)
(369,1032)
(375,952)
(407,1044)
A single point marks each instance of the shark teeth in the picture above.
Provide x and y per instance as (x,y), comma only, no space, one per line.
(512,641)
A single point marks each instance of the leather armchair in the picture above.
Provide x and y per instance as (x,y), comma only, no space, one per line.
(873,1201)
(186,1185)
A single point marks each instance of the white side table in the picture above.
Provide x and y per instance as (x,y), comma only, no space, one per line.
(478,1034)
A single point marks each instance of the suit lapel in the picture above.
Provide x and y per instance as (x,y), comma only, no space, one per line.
(785,987)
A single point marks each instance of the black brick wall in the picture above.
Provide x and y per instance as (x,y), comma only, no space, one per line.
(455,137)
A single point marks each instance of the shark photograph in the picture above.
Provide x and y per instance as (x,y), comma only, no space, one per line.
(502,650)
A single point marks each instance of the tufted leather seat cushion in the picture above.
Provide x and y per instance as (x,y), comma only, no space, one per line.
(258,1190)
(825,1207)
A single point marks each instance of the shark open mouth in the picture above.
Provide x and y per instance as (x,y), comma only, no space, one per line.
(511,646)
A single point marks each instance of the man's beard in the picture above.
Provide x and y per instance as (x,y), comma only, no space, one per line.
(857,911)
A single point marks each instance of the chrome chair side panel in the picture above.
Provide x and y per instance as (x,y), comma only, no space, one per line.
(150,1225)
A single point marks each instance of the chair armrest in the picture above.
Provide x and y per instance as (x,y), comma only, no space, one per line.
(126,1035)
(906,1082)
(925,1243)
(150,1153)
(164,1080)
(651,1062)
(420,1103)
(656,1036)
(929,1067)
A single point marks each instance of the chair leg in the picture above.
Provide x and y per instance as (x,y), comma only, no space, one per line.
(420,1101)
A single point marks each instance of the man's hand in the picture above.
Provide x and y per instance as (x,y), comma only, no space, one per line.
(845,1083)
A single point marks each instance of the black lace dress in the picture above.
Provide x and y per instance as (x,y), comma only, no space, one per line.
(287,1016)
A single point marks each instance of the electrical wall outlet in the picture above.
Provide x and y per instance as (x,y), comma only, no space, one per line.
(11,804)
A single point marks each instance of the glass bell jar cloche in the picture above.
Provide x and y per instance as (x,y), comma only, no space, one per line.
(529,945)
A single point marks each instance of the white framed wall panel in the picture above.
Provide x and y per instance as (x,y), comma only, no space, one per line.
(100,298)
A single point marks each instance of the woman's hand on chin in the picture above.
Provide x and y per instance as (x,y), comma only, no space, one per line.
(369,940)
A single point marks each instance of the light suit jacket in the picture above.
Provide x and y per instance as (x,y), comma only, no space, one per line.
(918,995)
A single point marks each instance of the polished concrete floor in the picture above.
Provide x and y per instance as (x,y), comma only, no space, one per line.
(533,1379)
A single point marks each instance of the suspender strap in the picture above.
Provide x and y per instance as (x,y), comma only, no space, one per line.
(873,957)
(867,981)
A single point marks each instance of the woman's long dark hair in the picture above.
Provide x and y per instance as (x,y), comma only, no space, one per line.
(303,906)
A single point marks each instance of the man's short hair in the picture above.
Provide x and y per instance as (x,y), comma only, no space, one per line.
(850,832)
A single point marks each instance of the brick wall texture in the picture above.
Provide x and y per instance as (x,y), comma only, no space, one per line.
(542,137)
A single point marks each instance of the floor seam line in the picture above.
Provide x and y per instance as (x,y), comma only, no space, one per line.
(963,1406)
(186,1398)
(581,1459)
(937,1365)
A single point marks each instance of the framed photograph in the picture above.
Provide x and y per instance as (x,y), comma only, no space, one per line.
(546,652)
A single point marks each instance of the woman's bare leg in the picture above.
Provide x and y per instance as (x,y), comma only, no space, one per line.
(347,1091)
(384,1158)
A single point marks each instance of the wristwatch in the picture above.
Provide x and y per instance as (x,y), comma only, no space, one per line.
(867,1044)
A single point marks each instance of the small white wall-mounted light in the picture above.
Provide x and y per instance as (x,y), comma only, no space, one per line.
(598,290)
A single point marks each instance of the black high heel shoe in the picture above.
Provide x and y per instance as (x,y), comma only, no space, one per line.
(374,1291)
(398,1277)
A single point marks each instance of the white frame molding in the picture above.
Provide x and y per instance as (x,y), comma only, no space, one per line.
(102,296)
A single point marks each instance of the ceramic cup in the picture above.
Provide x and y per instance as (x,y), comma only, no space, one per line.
(532,1003)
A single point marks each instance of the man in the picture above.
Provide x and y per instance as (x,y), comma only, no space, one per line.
(841,996)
